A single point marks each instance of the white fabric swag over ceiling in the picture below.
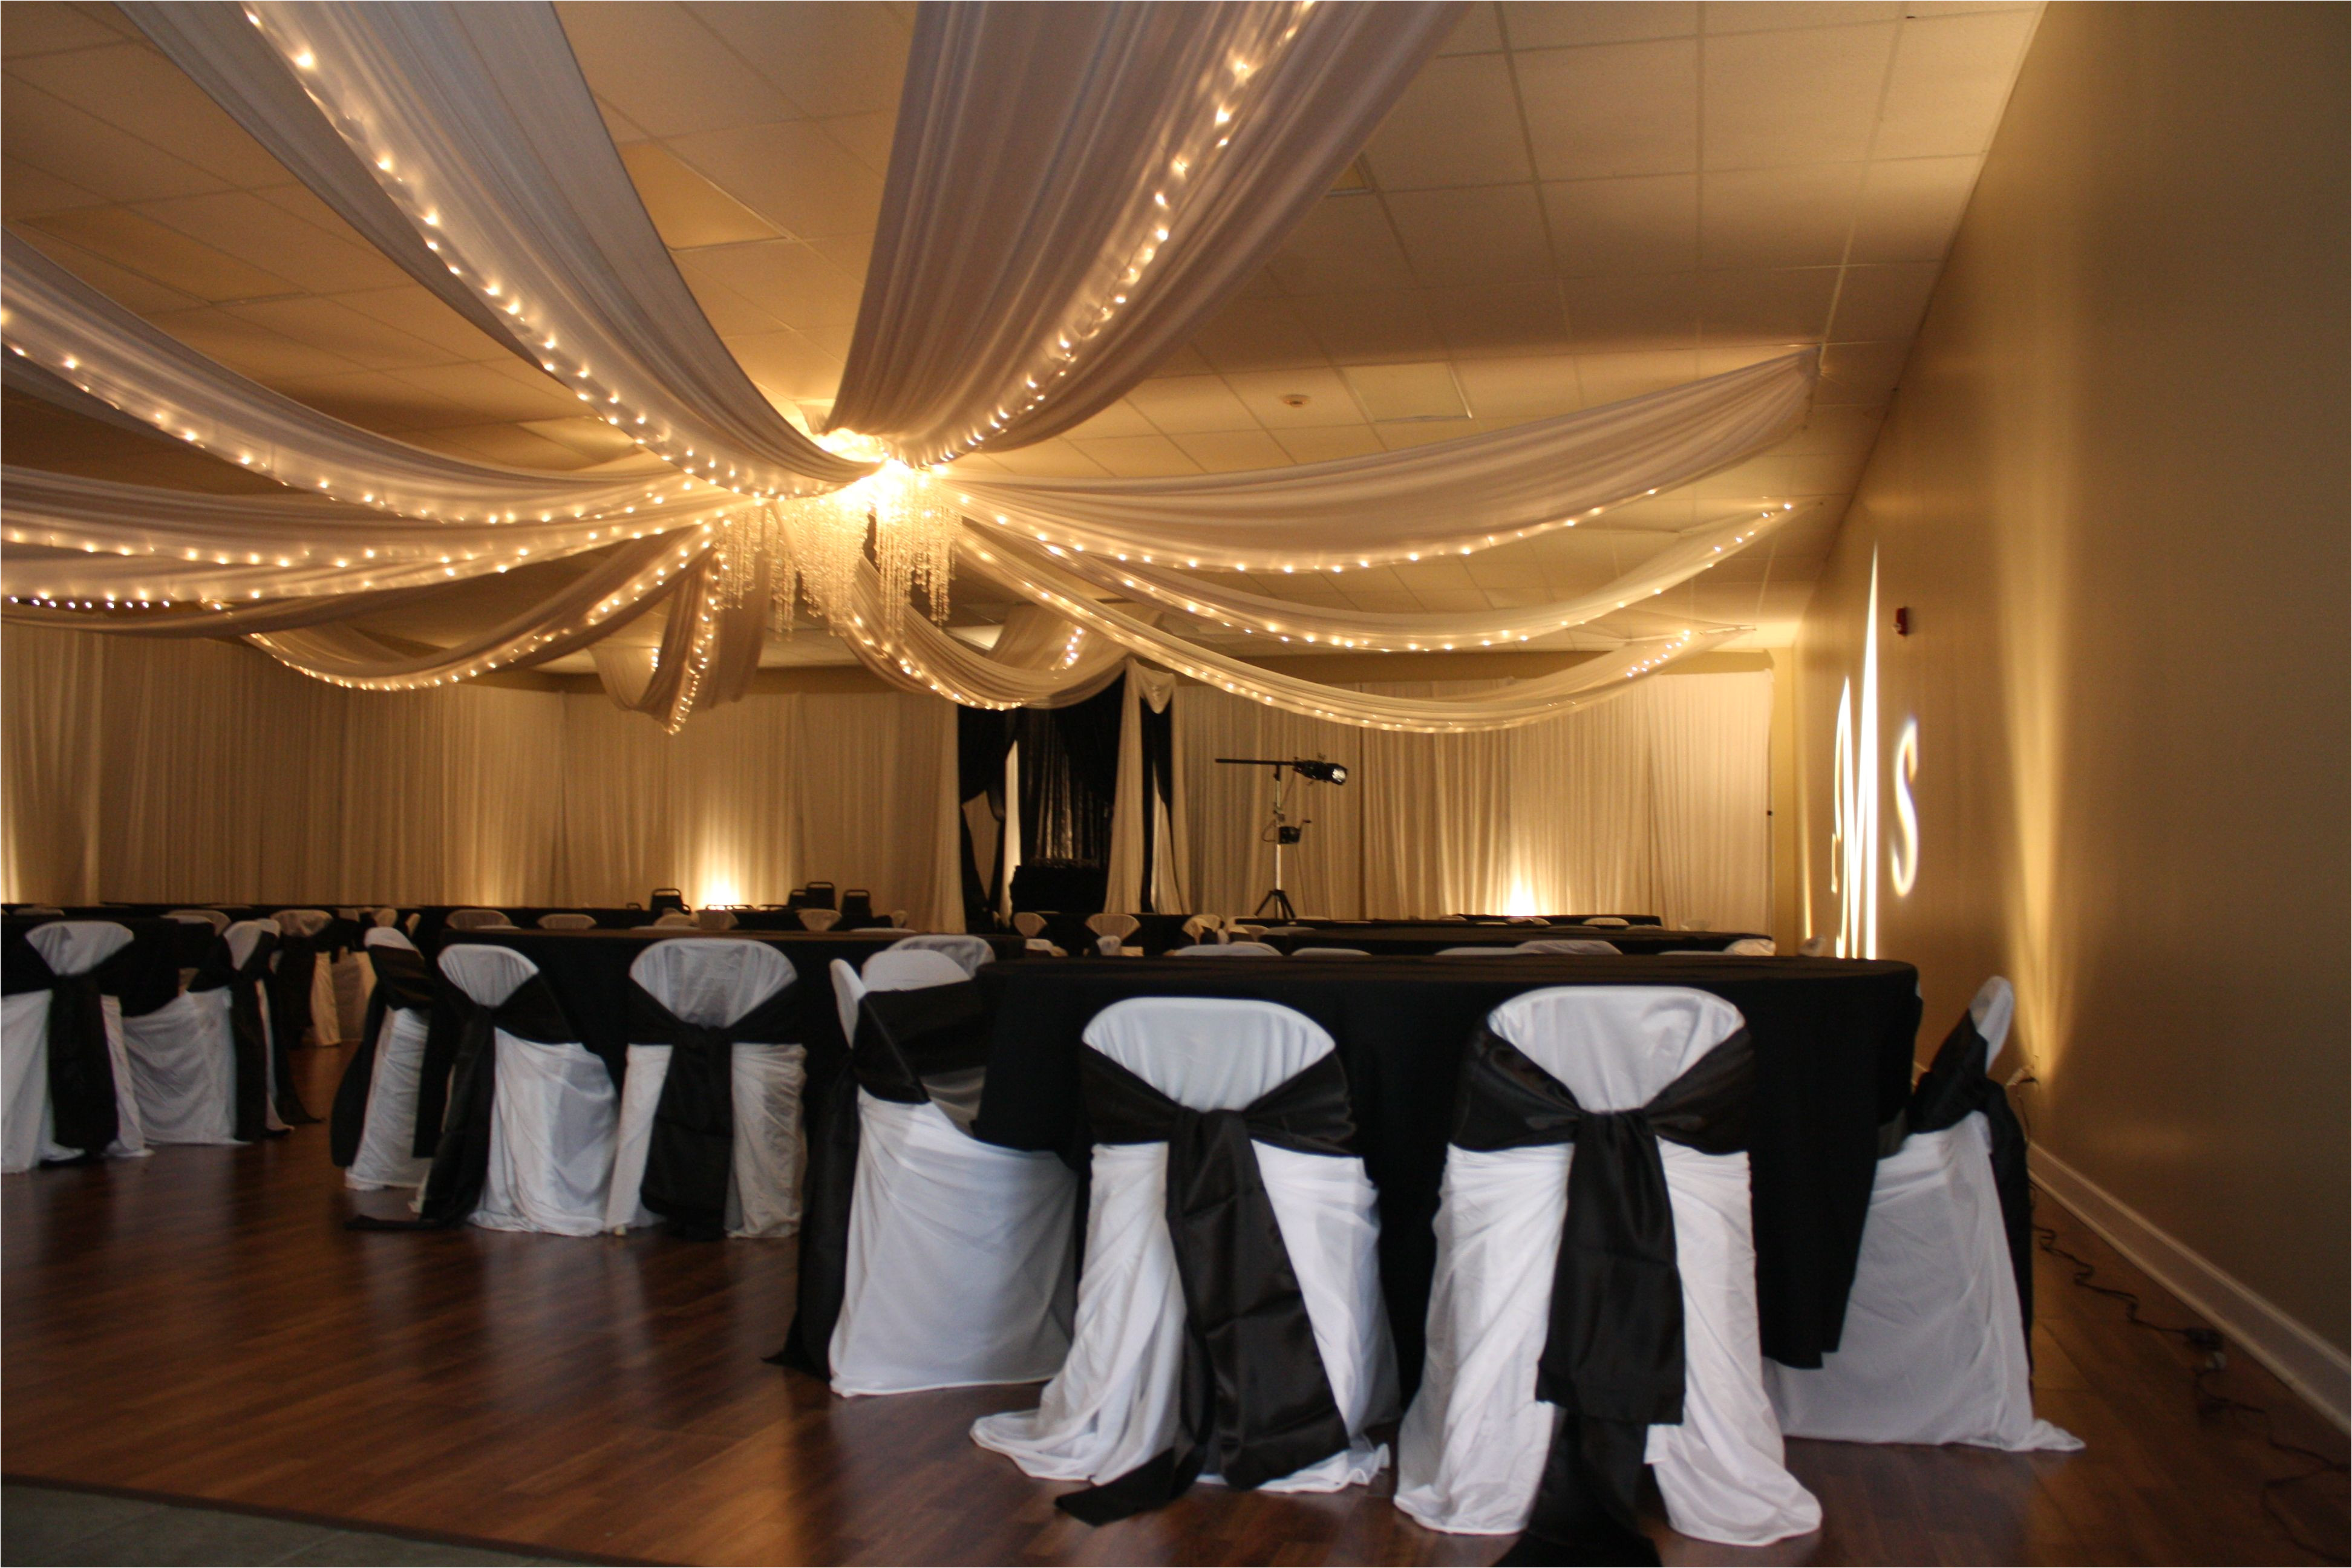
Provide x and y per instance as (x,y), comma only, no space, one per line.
(474,125)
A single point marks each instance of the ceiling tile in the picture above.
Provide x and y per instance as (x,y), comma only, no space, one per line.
(59,139)
(1181,404)
(592,438)
(1483,233)
(865,137)
(1883,304)
(1059,460)
(1836,429)
(795,175)
(165,255)
(731,314)
(1762,16)
(1534,387)
(1329,444)
(1860,373)
(1612,377)
(512,444)
(1638,224)
(1798,97)
(654,63)
(1120,420)
(1359,328)
(1397,436)
(1458,123)
(1911,208)
(1327,399)
(1647,311)
(418,312)
(833,58)
(278,244)
(119,284)
(340,331)
(25,191)
(1260,335)
(137,91)
(1525,318)
(1423,391)
(789,280)
(1793,216)
(1951,81)
(1234,451)
(1344,243)
(47,26)
(377,400)
(1547,24)
(1785,305)
(1476,32)
(789,365)
(507,390)
(686,209)
(1138,457)
(1612,109)
(625,131)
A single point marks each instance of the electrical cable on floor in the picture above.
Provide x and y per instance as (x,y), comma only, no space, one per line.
(2211,1403)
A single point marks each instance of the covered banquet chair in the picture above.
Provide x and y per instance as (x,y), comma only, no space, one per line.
(373,1131)
(567,920)
(477,920)
(66,1086)
(183,1057)
(1589,946)
(819,920)
(1111,931)
(969,951)
(1594,1303)
(1226,950)
(306,980)
(1230,1318)
(1933,1348)
(957,1267)
(528,1137)
(710,1105)
(212,918)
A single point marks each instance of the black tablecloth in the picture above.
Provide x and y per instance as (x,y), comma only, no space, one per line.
(144,975)
(434,918)
(1406,940)
(589,972)
(1834,1044)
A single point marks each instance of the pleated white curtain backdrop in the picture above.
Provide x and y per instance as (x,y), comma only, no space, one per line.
(1655,802)
(138,769)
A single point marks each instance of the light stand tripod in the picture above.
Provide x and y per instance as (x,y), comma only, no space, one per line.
(1279,830)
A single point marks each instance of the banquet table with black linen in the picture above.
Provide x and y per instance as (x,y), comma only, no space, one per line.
(1833,1041)
(1405,941)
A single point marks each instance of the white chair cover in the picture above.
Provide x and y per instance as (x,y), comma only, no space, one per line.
(212,918)
(960,1251)
(1753,947)
(387,1156)
(386,916)
(1934,1345)
(1114,1402)
(242,936)
(1590,945)
(819,920)
(1492,949)
(713,982)
(1329,952)
(565,920)
(715,919)
(553,1119)
(1226,950)
(1472,1449)
(476,919)
(68,947)
(1608,921)
(676,918)
(326,1010)
(1111,931)
(183,1066)
(969,951)
(1028,923)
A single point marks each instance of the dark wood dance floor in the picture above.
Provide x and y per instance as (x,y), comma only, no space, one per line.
(197,1325)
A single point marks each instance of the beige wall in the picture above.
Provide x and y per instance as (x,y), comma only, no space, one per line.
(2112,492)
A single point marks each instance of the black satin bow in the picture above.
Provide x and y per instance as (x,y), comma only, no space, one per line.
(249,1036)
(403,984)
(1253,1401)
(461,1160)
(1612,1356)
(902,1036)
(693,1149)
(1955,1086)
(81,1070)
(289,1015)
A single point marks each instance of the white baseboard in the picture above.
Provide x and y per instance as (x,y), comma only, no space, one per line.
(2315,1369)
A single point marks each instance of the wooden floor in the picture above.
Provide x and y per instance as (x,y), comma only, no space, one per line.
(198,1325)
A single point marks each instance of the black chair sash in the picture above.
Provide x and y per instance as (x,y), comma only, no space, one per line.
(901,1035)
(1612,1357)
(692,1153)
(402,983)
(289,1015)
(461,1160)
(81,1070)
(1254,1401)
(248,1038)
(1955,1086)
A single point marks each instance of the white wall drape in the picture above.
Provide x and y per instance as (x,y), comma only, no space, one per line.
(1655,802)
(132,769)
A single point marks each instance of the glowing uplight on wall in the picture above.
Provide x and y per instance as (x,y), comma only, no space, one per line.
(718,892)
(1854,823)
(1903,863)
(1523,900)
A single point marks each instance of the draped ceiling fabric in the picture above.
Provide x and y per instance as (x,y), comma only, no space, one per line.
(473,126)
(1075,189)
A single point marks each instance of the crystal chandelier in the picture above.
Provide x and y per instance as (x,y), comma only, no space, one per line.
(815,547)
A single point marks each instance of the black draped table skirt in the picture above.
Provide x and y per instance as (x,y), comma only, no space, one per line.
(1833,1045)
(1423,938)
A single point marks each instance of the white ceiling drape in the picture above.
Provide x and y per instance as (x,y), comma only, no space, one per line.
(1075,189)
(474,124)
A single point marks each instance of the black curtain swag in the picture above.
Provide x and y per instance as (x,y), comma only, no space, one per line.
(1157,731)
(289,1015)
(1253,1401)
(461,1160)
(692,1154)
(1612,1356)
(403,984)
(1956,1085)
(901,1036)
(248,1038)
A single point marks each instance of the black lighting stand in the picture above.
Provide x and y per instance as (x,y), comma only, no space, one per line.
(1280,830)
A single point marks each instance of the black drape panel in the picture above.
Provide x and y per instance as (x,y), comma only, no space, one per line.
(1069,778)
(982,737)
(1159,735)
